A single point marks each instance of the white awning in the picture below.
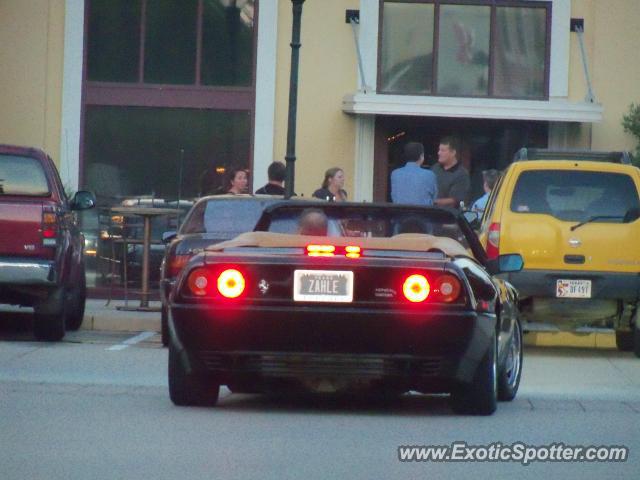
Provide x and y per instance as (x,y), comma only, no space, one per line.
(552,110)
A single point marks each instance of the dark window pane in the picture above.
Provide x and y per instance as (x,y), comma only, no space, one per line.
(22,176)
(463,51)
(520,50)
(132,151)
(407,48)
(170,42)
(575,196)
(114,40)
(227,42)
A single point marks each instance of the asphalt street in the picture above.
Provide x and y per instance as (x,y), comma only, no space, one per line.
(96,406)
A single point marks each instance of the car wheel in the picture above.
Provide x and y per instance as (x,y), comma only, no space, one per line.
(164,326)
(624,340)
(76,300)
(509,376)
(636,335)
(481,396)
(189,388)
(49,320)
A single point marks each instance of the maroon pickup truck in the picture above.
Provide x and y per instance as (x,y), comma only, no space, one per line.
(41,247)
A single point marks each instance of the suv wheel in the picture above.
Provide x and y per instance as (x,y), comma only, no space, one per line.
(190,388)
(49,322)
(76,300)
(164,327)
(624,340)
(481,396)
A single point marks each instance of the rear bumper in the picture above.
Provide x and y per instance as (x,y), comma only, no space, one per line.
(424,351)
(27,271)
(604,285)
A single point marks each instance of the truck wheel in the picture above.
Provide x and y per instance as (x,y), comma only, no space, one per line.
(624,340)
(76,300)
(481,396)
(190,388)
(49,321)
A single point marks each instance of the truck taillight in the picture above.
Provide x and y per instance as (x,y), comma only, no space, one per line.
(493,241)
(49,226)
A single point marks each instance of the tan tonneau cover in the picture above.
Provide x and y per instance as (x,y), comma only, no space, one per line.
(414,242)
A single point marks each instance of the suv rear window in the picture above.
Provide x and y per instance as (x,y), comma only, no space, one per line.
(22,176)
(576,196)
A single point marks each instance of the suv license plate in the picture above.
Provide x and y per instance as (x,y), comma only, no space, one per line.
(573,288)
(322,286)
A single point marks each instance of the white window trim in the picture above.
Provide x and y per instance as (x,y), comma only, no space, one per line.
(556,108)
(72,91)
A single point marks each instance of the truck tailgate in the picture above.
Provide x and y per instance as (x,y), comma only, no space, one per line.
(20,228)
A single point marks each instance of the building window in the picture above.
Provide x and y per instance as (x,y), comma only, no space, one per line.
(168,104)
(472,48)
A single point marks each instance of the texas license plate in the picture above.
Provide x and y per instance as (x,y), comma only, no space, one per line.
(322,286)
(573,288)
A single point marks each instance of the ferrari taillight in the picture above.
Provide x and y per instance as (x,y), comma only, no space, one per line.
(416,288)
(493,241)
(200,282)
(231,283)
(448,288)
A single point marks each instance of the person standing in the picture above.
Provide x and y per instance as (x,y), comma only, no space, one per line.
(453,179)
(411,183)
(276,172)
(238,181)
(489,178)
(332,186)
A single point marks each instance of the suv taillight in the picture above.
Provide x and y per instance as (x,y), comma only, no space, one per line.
(493,241)
(49,227)
(175,264)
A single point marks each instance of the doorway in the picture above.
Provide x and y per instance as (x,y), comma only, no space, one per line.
(484,144)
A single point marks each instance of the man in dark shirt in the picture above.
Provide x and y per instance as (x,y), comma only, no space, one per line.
(276,173)
(453,179)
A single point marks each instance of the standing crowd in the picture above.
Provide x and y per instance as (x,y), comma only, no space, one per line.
(445,184)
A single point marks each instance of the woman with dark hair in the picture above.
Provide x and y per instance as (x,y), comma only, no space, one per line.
(237,181)
(332,186)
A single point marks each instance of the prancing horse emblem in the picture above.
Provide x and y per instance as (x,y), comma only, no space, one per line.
(263,286)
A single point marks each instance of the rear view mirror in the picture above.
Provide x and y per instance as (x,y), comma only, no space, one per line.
(168,236)
(83,200)
(512,262)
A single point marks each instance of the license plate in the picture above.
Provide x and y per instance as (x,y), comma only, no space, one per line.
(573,288)
(323,286)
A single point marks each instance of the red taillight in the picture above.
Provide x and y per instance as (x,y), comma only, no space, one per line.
(200,282)
(176,264)
(416,288)
(49,224)
(447,287)
(350,251)
(321,250)
(493,241)
(231,283)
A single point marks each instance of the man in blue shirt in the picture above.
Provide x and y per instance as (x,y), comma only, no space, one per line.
(490,178)
(412,184)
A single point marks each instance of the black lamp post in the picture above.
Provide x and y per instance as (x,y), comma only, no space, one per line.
(290,157)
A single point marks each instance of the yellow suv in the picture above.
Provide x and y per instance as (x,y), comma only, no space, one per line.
(574,218)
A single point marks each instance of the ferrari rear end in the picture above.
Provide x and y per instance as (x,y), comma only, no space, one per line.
(325,318)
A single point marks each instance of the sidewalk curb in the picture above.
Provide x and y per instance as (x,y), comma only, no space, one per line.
(603,340)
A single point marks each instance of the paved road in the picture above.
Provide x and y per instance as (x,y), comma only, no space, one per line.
(96,407)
